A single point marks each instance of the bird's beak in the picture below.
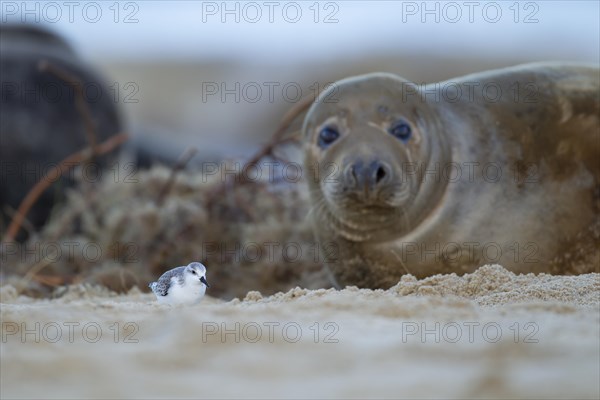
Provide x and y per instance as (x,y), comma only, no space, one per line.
(203,280)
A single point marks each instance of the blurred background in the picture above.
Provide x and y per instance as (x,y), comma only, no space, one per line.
(219,75)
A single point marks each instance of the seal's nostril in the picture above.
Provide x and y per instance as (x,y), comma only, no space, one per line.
(354,174)
(380,174)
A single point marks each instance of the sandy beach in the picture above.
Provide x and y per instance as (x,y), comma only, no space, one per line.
(490,334)
(138,137)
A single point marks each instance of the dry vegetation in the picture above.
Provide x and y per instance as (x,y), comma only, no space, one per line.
(139,237)
(125,231)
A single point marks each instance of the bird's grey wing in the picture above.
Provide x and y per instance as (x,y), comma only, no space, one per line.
(164,282)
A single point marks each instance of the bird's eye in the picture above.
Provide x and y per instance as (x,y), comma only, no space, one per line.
(193,272)
(328,135)
(401,129)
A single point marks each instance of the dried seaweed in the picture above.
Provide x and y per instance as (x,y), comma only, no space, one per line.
(125,233)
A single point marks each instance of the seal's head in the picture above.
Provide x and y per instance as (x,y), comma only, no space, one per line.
(368,140)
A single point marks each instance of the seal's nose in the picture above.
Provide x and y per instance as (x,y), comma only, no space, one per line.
(367,177)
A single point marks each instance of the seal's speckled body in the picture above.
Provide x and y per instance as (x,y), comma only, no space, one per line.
(497,167)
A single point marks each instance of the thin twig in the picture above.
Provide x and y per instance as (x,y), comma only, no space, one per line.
(285,123)
(26,224)
(66,164)
(47,180)
(267,150)
(179,165)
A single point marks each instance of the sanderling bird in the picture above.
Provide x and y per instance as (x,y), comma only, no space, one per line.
(181,285)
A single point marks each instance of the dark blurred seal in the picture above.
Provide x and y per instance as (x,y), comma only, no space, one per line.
(39,122)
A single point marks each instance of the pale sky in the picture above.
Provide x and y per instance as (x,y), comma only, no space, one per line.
(180,30)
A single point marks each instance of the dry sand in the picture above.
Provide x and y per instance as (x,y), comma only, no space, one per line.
(490,334)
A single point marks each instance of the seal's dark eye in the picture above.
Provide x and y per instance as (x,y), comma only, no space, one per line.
(328,135)
(401,129)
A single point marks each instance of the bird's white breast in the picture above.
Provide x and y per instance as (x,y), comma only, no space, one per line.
(189,293)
